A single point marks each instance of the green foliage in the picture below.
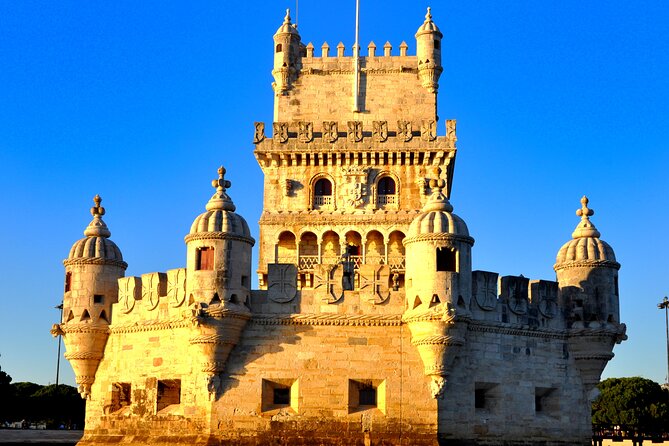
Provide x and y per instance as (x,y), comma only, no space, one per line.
(636,403)
(54,405)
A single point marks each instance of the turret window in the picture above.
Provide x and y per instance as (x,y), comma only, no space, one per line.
(98,299)
(68,281)
(205,258)
(446,259)
(279,48)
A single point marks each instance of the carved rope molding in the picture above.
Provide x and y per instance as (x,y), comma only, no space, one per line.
(438,340)
(95,261)
(211,339)
(328,319)
(83,328)
(439,238)
(83,355)
(587,263)
(137,327)
(218,236)
(501,328)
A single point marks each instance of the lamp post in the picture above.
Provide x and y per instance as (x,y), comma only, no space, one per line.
(59,307)
(664,305)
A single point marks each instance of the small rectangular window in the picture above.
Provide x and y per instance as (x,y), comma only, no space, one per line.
(446,259)
(486,396)
(279,394)
(205,258)
(546,400)
(68,281)
(479,398)
(169,393)
(98,299)
(245,281)
(366,394)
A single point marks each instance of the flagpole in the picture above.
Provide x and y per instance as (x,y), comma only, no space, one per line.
(356,57)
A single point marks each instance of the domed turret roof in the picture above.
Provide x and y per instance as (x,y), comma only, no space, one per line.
(220,215)
(585,245)
(437,216)
(428,25)
(96,246)
(286,26)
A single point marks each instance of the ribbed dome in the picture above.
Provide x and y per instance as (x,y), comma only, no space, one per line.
(437,216)
(428,25)
(96,245)
(286,26)
(585,244)
(220,215)
(220,221)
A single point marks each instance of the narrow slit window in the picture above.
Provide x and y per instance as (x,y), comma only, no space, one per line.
(205,258)
(68,281)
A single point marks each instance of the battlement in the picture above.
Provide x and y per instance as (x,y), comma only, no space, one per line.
(150,297)
(336,60)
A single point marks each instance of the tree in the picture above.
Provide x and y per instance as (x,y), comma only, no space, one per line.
(636,405)
(6,394)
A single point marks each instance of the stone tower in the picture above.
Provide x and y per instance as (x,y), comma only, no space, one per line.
(587,274)
(92,271)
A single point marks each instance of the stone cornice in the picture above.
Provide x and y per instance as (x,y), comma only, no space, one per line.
(516,330)
(68,328)
(153,325)
(438,237)
(384,218)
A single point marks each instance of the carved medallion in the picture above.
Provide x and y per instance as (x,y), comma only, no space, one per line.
(176,286)
(259,134)
(380,130)
(404,132)
(305,131)
(355,131)
(129,290)
(330,131)
(281,282)
(428,130)
(484,286)
(280,131)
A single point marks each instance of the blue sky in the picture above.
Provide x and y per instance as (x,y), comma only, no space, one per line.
(142,101)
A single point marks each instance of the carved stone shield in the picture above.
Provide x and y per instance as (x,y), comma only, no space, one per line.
(129,290)
(259,134)
(355,131)
(545,293)
(428,130)
(176,286)
(330,131)
(305,131)
(154,285)
(281,282)
(380,130)
(514,293)
(404,131)
(280,131)
(328,282)
(484,288)
(374,281)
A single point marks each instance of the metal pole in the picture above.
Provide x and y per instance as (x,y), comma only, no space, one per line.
(665,306)
(356,57)
(59,307)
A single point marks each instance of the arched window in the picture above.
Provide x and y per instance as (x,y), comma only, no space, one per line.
(386,192)
(322,193)
(279,48)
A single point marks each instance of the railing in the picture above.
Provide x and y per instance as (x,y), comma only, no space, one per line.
(307,262)
(383,200)
(396,263)
(322,200)
(375,259)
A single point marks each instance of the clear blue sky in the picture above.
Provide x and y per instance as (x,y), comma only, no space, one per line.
(142,101)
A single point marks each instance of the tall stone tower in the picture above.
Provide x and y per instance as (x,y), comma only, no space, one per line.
(341,187)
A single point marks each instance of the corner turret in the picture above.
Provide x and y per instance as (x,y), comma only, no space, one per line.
(587,274)
(92,270)
(287,55)
(428,52)
(218,271)
(439,287)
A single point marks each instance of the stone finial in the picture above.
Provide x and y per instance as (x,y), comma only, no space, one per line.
(325,50)
(220,201)
(428,25)
(340,49)
(403,48)
(585,228)
(428,15)
(310,50)
(97,227)
(438,200)
(286,19)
